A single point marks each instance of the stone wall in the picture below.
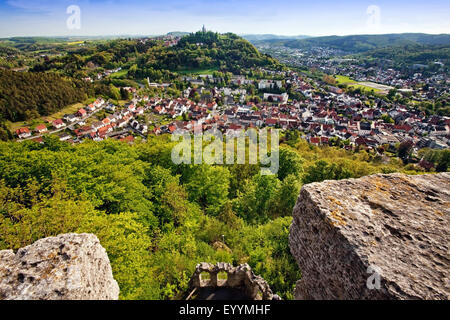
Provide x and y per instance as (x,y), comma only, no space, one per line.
(66,267)
(241,277)
(378,237)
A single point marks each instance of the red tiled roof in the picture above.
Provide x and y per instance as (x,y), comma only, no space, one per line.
(41,127)
(127,139)
(271,121)
(22,130)
(404,127)
(235,127)
(315,140)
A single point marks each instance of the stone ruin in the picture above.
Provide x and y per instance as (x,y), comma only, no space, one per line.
(66,267)
(378,237)
(242,278)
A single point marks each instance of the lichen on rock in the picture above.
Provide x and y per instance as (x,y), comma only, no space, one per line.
(396,226)
(66,267)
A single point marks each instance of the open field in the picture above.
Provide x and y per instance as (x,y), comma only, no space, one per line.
(368,86)
(75,43)
(67,110)
(376,86)
(344,79)
(119,74)
(122,102)
(13,126)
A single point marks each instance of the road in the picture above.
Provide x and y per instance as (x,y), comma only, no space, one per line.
(64,128)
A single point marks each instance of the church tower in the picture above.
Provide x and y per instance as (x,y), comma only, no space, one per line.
(204,29)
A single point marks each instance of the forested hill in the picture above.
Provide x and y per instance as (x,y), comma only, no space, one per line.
(153,59)
(26,95)
(404,56)
(225,51)
(363,43)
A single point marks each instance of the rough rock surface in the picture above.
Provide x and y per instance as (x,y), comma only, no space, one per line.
(66,267)
(240,277)
(348,234)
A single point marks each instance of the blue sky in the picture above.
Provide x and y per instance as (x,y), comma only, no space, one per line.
(284,17)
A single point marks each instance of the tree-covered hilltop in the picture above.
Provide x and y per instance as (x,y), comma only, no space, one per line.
(152,58)
(27,95)
(363,43)
(228,52)
(157,220)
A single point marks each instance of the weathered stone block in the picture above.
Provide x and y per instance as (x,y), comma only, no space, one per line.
(66,267)
(394,228)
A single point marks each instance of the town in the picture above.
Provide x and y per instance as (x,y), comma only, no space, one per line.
(423,81)
(325,115)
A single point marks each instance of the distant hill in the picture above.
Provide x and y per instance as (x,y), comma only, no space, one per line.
(262,37)
(363,43)
(42,43)
(178,33)
(413,55)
